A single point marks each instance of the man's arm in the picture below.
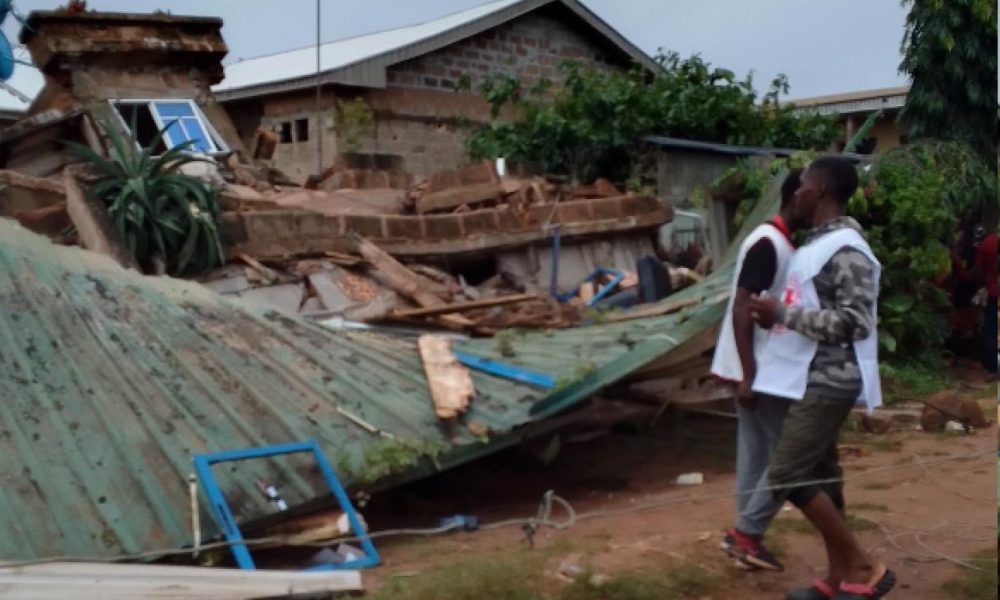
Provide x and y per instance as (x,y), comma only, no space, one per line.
(852,317)
(757,274)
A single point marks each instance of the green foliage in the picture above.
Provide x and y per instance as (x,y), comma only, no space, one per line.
(917,378)
(158,211)
(354,119)
(910,213)
(909,204)
(981,583)
(950,51)
(388,457)
(591,125)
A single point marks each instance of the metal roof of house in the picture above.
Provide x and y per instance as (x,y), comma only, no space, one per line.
(731,149)
(112,381)
(363,60)
(855,102)
(26,82)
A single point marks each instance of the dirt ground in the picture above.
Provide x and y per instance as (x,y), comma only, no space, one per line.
(911,517)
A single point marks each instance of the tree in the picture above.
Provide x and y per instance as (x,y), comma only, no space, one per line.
(950,51)
(591,125)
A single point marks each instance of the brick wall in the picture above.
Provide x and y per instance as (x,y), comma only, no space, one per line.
(530,47)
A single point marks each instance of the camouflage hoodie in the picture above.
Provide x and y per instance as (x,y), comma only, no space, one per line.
(846,314)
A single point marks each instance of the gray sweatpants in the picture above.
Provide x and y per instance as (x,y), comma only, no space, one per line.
(758,433)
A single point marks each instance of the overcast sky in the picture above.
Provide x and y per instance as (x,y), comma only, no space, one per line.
(825,47)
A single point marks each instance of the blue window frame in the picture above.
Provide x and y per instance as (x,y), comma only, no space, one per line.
(182,122)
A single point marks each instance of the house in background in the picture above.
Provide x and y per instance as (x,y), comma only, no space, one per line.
(854,108)
(411,78)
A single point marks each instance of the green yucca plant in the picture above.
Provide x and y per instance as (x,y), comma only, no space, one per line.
(158,211)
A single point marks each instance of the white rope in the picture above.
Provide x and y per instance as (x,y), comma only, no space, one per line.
(543,518)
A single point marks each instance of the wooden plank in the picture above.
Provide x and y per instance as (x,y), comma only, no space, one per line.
(405,281)
(93,225)
(455,197)
(457,307)
(449,381)
(93,581)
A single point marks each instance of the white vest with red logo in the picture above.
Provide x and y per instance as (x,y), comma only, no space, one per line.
(783,367)
(726,362)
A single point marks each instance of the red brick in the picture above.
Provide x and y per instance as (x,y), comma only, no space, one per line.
(441,227)
(369,226)
(480,221)
(404,227)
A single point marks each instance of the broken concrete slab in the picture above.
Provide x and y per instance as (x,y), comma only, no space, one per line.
(453,198)
(287,298)
(93,225)
(229,285)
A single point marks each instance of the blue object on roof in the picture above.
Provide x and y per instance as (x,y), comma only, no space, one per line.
(6,57)
(224,516)
(505,370)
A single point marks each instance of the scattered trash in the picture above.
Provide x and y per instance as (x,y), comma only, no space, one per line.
(690,479)
(954,427)
(271,493)
(466,522)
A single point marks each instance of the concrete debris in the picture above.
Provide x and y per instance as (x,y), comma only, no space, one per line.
(947,406)
(287,298)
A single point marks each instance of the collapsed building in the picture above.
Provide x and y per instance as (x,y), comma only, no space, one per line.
(116,380)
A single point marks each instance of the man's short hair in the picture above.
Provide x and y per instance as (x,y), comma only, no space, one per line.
(790,186)
(838,175)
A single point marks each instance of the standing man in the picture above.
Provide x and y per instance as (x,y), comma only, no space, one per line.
(823,355)
(760,267)
(986,271)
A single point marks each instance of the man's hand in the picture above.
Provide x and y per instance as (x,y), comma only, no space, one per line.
(764,311)
(745,394)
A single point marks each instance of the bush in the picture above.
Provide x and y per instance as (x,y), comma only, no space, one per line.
(909,203)
(591,125)
(159,211)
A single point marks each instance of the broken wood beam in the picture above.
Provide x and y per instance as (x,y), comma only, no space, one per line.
(402,279)
(93,225)
(456,307)
(449,381)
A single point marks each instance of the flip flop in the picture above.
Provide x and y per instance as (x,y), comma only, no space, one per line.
(819,590)
(864,591)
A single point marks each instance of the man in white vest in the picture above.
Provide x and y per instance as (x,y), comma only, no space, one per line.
(760,267)
(822,355)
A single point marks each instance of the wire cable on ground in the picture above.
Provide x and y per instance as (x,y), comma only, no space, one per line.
(543,518)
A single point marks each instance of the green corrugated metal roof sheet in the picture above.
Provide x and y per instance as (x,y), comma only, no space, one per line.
(111,381)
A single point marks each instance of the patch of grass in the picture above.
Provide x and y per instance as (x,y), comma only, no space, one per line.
(914,380)
(804,527)
(510,577)
(877,486)
(980,584)
(860,524)
(676,584)
(869,507)
(793,525)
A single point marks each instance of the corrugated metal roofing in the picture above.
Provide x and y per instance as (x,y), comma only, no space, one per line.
(730,149)
(26,80)
(111,381)
(362,60)
(341,53)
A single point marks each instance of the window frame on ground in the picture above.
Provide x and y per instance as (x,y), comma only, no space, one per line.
(211,144)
